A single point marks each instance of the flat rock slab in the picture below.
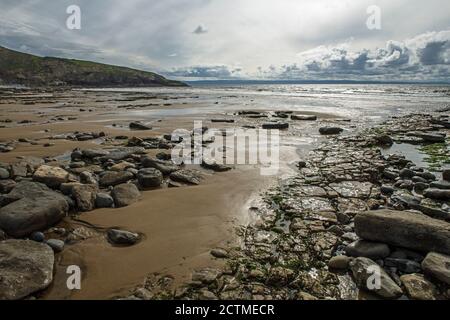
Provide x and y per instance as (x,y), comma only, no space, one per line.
(404,229)
(352,189)
(25,267)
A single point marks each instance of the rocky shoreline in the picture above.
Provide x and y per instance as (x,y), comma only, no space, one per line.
(313,237)
(349,211)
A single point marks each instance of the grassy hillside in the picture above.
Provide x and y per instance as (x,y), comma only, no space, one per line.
(21,68)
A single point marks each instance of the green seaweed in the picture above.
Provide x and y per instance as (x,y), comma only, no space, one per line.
(437,155)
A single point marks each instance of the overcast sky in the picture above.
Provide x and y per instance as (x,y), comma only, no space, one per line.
(254,39)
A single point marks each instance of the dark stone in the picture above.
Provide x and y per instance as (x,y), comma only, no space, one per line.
(32,207)
(149,178)
(122,237)
(125,194)
(330,130)
(112,178)
(275,125)
(136,125)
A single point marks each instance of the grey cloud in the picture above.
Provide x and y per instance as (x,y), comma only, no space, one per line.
(200,30)
(217,72)
(425,57)
(436,52)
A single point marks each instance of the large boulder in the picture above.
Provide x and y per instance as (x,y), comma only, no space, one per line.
(51,176)
(25,267)
(438,266)
(113,178)
(364,271)
(404,229)
(32,206)
(125,194)
(368,249)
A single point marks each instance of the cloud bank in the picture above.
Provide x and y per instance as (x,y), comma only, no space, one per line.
(251,39)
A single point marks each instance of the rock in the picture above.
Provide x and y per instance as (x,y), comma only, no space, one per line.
(7,185)
(103,200)
(339,262)
(51,176)
(122,237)
(37,236)
(4,173)
(223,120)
(438,266)
(446,175)
(25,267)
(3,235)
(149,178)
(384,140)
(385,189)
(390,175)
(364,270)
(90,153)
(343,218)
(368,249)
(166,167)
(219,253)
(88,177)
(403,265)
(85,196)
(55,244)
(33,206)
(330,130)
(438,194)
(303,117)
(213,165)
(205,294)
(275,125)
(404,229)
(206,275)
(136,125)
(280,276)
(430,137)
(186,176)
(113,178)
(122,165)
(19,170)
(125,194)
(417,287)
(443,184)
(406,173)
(427,175)
(302,295)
